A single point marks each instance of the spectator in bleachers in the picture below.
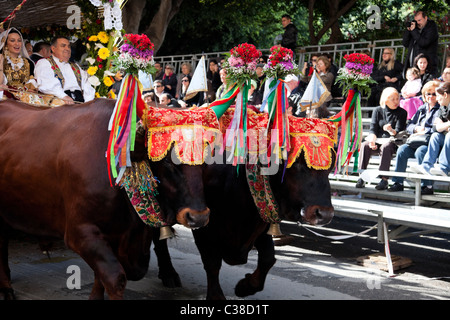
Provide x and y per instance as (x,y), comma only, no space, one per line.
(159,71)
(223,87)
(323,69)
(308,69)
(439,146)
(445,75)
(422,62)
(186,101)
(387,74)
(422,36)
(213,76)
(387,120)
(410,101)
(169,80)
(420,124)
(186,69)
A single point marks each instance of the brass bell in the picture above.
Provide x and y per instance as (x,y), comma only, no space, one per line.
(165,232)
(274,230)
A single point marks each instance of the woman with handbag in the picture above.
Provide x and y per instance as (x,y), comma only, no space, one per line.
(439,146)
(420,129)
(387,120)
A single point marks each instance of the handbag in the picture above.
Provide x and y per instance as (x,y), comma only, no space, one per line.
(400,138)
(417,140)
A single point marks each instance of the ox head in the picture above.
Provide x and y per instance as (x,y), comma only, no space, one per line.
(305,193)
(176,147)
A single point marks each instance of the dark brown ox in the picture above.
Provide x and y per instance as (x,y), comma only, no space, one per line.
(235,225)
(54,183)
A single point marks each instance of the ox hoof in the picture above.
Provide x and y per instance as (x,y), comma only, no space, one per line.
(7,294)
(245,288)
(171,281)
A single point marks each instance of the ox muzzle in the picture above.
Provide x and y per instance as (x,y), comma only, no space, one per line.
(193,219)
(317,215)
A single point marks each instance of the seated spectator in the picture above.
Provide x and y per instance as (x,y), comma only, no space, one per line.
(445,77)
(158,90)
(336,91)
(421,62)
(411,102)
(387,120)
(149,97)
(166,100)
(260,81)
(439,146)
(387,74)
(323,69)
(186,69)
(223,87)
(169,80)
(159,71)
(254,98)
(420,124)
(40,50)
(191,100)
(213,76)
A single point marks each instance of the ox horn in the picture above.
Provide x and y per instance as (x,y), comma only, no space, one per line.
(274,230)
(165,232)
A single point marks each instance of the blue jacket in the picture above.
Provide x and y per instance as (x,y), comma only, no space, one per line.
(421,114)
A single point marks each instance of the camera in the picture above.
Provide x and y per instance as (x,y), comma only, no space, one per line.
(310,65)
(409,23)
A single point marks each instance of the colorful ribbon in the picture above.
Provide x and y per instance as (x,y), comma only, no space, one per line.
(129,107)
(350,121)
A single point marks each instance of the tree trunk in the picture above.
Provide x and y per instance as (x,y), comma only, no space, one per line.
(131,15)
(156,31)
(332,22)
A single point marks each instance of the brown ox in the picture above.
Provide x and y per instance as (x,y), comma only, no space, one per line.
(235,226)
(54,183)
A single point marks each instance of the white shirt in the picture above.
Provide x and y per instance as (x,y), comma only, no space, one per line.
(49,84)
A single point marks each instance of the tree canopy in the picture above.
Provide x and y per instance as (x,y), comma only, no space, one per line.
(193,26)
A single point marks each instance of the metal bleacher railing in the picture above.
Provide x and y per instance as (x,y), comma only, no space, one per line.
(337,50)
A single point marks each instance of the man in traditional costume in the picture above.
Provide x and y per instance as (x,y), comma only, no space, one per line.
(58,76)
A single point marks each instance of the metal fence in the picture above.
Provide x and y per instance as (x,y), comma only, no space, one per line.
(337,50)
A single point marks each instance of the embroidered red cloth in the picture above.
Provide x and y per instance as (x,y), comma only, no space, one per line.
(189,131)
(316,137)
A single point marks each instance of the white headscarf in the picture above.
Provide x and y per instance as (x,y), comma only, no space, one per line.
(4,37)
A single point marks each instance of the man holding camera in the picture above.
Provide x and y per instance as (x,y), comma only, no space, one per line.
(421,36)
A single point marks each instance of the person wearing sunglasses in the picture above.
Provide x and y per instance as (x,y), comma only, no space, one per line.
(420,124)
(195,98)
(439,146)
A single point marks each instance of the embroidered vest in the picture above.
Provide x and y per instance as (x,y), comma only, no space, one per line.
(17,78)
(59,75)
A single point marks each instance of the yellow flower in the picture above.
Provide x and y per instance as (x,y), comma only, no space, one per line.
(103,53)
(92,70)
(108,81)
(93,38)
(103,37)
(111,94)
(97,95)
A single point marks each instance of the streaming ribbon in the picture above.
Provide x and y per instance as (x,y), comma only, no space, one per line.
(350,121)
(129,107)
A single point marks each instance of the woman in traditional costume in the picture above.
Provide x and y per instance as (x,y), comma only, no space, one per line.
(16,68)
